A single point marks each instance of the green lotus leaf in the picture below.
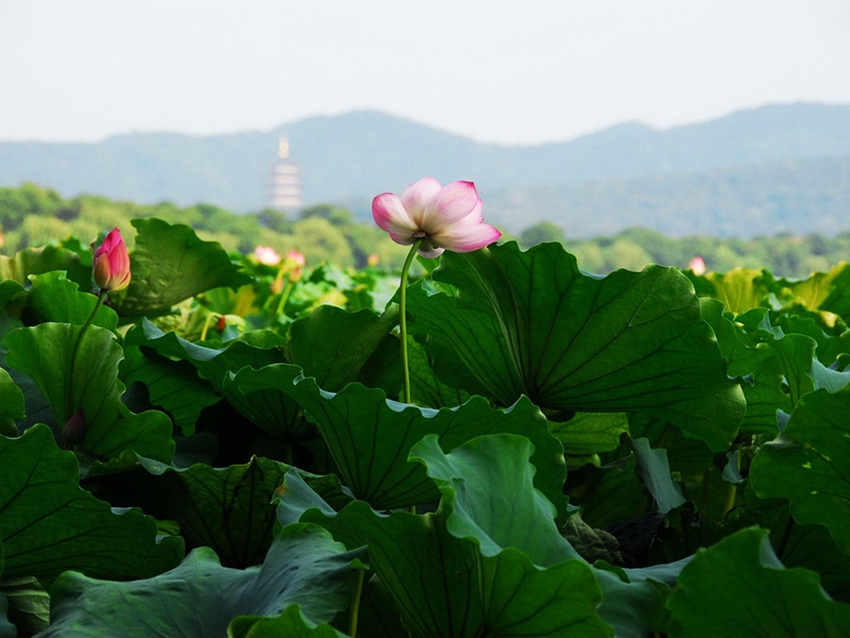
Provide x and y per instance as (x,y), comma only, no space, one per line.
(49,525)
(429,573)
(531,323)
(43,259)
(172,386)
(754,361)
(169,263)
(810,464)
(333,345)
(739,588)
(304,567)
(53,297)
(488,482)
(825,291)
(370,436)
(44,353)
(228,509)
(740,289)
(28,604)
(291,623)
(271,410)
(588,433)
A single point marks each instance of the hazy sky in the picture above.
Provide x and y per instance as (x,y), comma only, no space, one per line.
(508,71)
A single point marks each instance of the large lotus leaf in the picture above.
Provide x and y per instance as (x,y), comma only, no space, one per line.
(9,290)
(332,345)
(169,264)
(757,363)
(427,388)
(28,604)
(429,573)
(607,494)
(37,408)
(370,436)
(531,323)
(810,464)
(227,509)
(173,386)
(200,597)
(35,261)
(830,346)
(271,410)
(48,524)
(53,297)
(44,353)
(739,588)
(291,623)
(589,433)
(740,289)
(795,354)
(488,482)
(809,546)
(825,291)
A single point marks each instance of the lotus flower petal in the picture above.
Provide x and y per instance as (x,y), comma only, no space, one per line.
(466,237)
(451,204)
(390,215)
(416,197)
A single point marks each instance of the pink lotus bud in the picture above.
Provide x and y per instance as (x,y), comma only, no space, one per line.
(75,428)
(445,217)
(111,265)
(373,259)
(296,258)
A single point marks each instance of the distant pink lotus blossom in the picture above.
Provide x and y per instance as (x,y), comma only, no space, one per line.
(445,217)
(697,264)
(267,256)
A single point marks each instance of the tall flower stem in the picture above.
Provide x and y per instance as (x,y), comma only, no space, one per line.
(355,602)
(402,322)
(70,404)
(284,295)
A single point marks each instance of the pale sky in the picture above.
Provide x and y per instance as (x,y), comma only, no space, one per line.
(503,71)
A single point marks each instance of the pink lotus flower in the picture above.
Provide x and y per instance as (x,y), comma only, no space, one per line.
(446,218)
(267,256)
(111,264)
(697,265)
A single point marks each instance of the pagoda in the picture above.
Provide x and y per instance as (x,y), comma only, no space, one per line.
(285,189)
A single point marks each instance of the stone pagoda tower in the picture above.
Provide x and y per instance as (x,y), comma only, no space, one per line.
(285,191)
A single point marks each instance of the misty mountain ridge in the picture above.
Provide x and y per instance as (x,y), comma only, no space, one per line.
(349,158)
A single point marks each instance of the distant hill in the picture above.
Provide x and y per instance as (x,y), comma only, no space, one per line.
(791,196)
(763,153)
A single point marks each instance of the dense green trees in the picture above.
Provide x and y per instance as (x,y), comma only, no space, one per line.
(32,215)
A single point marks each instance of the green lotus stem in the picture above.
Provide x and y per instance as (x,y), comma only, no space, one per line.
(284,295)
(69,405)
(355,602)
(732,491)
(402,321)
(206,327)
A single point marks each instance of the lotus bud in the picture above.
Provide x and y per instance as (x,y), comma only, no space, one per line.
(111,264)
(75,428)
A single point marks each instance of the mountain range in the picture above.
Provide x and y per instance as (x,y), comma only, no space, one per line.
(778,168)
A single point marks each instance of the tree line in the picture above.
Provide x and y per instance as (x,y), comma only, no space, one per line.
(31,215)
